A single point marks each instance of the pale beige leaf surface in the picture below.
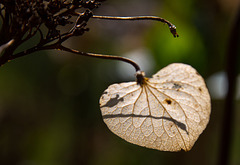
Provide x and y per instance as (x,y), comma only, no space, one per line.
(167,112)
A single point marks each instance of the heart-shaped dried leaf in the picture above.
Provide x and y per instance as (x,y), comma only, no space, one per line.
(167,112)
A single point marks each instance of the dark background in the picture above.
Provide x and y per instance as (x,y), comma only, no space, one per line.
(49,110)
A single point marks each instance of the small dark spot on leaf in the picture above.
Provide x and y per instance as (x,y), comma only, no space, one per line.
(200,89)
(196,106)
(168,101)
(176,86)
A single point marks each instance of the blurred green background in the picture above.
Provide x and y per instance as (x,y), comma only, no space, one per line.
(49,110)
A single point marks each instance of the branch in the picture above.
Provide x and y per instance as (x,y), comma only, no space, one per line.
(58,46)
(26,52)
(119,58)
(30,35)
(25,25)
(172,27)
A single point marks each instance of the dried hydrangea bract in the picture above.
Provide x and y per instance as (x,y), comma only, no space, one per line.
(167,112)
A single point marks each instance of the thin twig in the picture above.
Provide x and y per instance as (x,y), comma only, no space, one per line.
(154,18)
(119,58)
(58,46)
(30,35)
(26,52)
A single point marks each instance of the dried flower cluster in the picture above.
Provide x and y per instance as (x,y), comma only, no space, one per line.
(22,20)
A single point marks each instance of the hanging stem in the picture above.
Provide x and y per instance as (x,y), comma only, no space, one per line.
(155,18)
(119,58)
(139,74)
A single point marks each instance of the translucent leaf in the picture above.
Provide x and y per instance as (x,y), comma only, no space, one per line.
(167,112)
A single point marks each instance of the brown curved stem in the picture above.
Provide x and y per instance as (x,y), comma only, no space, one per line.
(124,59)
(154,18)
